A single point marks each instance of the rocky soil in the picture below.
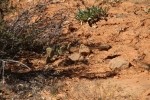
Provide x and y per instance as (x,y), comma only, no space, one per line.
(108,61)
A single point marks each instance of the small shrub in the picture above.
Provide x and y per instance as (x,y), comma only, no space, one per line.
(91,15)
(24,36)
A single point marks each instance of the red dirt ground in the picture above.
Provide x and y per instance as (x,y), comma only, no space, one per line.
(127,31)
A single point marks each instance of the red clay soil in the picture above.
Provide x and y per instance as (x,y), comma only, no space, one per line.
(126,31)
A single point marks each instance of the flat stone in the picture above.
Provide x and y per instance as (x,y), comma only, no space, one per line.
(118,63)
(75,56)
(141,64)
(58,62)
(104,47)
(73,49)
(145,66)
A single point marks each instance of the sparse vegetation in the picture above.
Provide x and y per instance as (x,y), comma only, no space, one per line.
(25,36)
(91,14)
(45,54)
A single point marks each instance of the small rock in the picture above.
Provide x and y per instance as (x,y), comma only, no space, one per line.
(94,26)
(84,50)
(58,62)
(75,56)
(145,66)
(104,47)
(60,96)
(82,58)
(73,49)
(66,22)
(118,63)
(120,15)
(140,64)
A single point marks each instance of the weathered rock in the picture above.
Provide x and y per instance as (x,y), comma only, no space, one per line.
(73,49)
(84,50)
(104,47)
(140,64)
(118,63)
(76,57)
(58,62)
(127,52)
(145,66)
(94,26)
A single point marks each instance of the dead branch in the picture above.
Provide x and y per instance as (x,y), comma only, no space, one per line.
(14,61)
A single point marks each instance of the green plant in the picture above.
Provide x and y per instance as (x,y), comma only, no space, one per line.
(91,14)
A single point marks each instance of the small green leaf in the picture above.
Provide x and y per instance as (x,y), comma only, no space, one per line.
(90,14)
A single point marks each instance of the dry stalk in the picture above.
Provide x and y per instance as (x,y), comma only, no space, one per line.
(4,61)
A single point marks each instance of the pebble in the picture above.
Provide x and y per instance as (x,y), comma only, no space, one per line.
(84,50)
(104,47)
(75,56)
(118,63)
